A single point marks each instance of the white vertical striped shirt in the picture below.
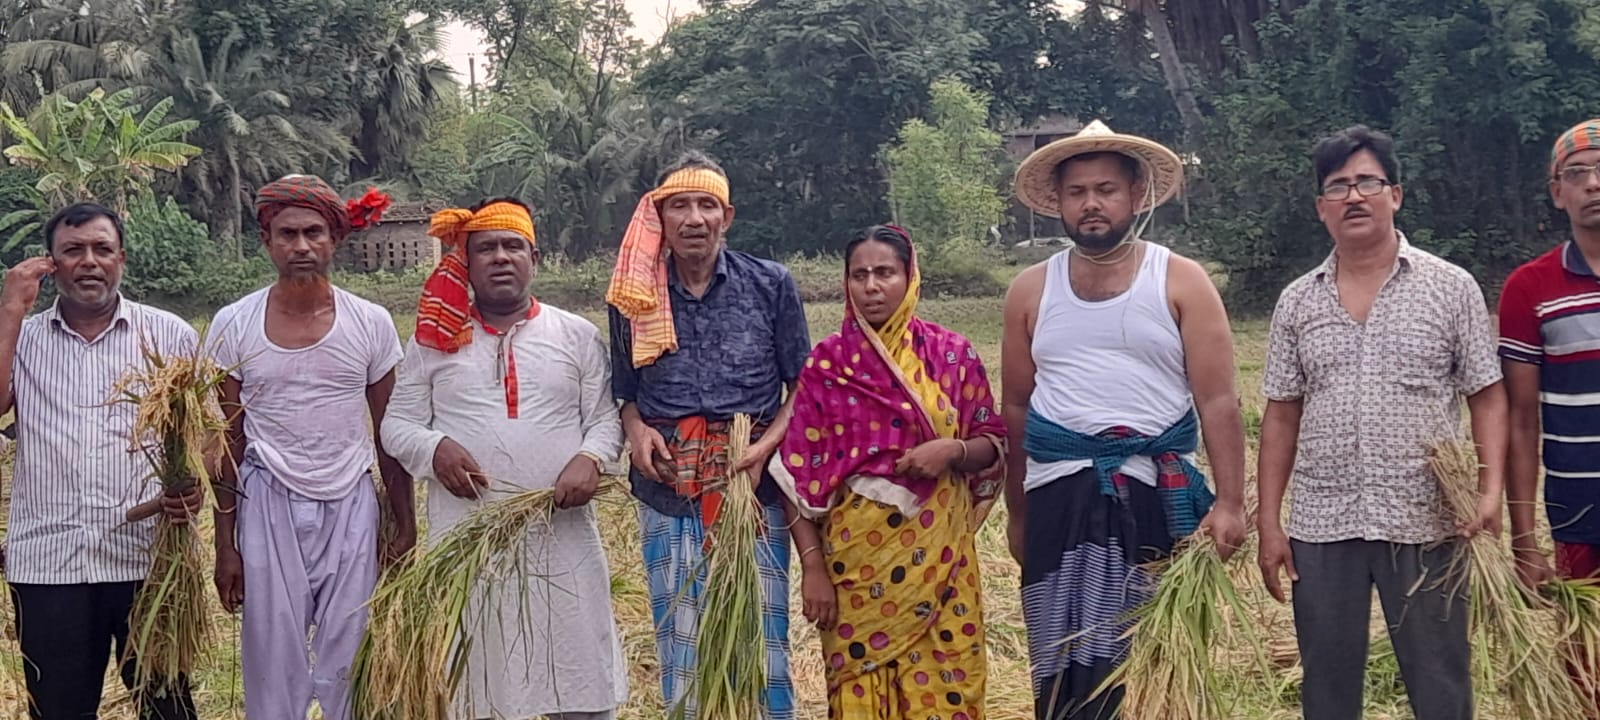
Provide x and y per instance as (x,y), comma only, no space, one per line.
(76,472)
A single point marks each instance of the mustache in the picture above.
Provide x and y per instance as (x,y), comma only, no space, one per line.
(1355,212)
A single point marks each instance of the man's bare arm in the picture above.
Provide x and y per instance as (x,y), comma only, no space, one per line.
(1208,358)
(1522,450)
(1016,392)
(396,481)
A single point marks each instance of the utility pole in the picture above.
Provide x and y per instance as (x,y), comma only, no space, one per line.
(472,79)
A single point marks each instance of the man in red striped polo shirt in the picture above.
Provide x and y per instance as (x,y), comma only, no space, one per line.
(1550,349)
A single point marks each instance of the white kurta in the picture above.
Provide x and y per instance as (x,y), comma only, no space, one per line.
(524,404)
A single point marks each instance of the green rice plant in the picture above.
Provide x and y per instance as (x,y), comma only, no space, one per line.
(176,420)
(414,652)
(730,672)
(1168,673)
(1510,630)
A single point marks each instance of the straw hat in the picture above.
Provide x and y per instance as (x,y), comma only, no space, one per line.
(1036,179)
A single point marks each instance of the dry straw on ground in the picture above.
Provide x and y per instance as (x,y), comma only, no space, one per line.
(413,656)
(176,420)
(1512,630)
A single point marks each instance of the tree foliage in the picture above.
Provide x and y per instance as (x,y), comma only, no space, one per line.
(1474,93)
(944,174)
(102,147)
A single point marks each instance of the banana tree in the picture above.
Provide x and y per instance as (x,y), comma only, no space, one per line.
(98,148)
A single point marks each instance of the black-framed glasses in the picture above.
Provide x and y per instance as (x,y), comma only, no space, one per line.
(1578,174)
(1366,188)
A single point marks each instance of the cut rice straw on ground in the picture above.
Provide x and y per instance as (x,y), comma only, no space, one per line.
(1511,635)
(176,420)
(1168,674)
(413,656)
(730,675)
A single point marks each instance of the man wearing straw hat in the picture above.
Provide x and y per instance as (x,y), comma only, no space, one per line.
(499,394)
(1368,358)
(1117,353)
(1550,353)
(298,548)
(701,333)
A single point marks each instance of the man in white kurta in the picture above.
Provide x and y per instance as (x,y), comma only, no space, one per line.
(496,396)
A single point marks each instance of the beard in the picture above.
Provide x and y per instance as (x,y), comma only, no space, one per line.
(1100,241)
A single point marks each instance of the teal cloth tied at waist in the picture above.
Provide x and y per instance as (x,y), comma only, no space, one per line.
(1182,487)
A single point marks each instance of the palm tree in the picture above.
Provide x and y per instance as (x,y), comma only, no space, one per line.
(250,128)
(579,156)
(73,46)
(397,87)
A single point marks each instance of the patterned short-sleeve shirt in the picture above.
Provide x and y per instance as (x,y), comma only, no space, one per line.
(1376,394)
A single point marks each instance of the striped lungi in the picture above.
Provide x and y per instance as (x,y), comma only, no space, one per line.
(1082,575)
(673,555)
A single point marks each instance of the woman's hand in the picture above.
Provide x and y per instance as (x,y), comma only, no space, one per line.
(821,601)
(931,459)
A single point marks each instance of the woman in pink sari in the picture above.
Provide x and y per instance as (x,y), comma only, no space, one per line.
(892,461)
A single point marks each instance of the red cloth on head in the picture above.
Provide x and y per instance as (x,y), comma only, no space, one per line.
(310,192)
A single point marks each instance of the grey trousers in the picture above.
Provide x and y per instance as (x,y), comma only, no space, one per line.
(1426,615)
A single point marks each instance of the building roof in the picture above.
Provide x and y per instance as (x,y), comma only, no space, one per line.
(411,212)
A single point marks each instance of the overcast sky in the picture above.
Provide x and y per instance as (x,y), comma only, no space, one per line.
(649,21)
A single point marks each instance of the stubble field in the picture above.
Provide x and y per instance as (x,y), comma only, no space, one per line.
(1269,695)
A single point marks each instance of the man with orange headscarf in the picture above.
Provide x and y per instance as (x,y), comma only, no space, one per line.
(699,334)
(499,394)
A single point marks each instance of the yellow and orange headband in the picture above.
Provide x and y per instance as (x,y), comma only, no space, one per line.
(452,226)
(444,312)
(693,179)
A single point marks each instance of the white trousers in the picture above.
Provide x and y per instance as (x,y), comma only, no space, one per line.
(309,568)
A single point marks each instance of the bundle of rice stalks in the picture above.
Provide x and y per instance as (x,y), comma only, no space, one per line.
(414,653)
(176,420)
(1511,643)
(1168,674)
(731,671)
(1578,606)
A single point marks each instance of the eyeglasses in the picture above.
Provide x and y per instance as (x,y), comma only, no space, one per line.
(1578,174)
(1366,188)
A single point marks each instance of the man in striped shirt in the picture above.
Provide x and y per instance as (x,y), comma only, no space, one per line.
(1550,350)
(83,500)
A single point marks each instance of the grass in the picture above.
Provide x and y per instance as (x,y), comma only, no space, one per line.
(1260,698)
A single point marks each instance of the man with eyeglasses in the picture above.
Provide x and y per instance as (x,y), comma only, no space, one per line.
(1550,352)
(1368,358)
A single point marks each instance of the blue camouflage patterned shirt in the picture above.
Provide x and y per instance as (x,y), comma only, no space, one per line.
(737,348)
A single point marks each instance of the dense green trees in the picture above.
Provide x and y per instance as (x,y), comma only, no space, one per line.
(802,101)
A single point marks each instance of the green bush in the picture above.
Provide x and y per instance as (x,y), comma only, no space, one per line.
(172,261)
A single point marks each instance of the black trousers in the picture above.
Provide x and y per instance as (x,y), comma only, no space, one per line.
(67,633)
(1426,610)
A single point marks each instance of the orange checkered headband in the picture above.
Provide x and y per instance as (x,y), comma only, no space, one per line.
(639,282)
(1583,136)
(444,315)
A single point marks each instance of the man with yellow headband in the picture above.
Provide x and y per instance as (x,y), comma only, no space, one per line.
(499,394)
(699,334)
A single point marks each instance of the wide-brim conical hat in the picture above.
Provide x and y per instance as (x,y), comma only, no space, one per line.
(1036,179)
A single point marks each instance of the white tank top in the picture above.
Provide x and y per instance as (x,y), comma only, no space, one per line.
(1117,362)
